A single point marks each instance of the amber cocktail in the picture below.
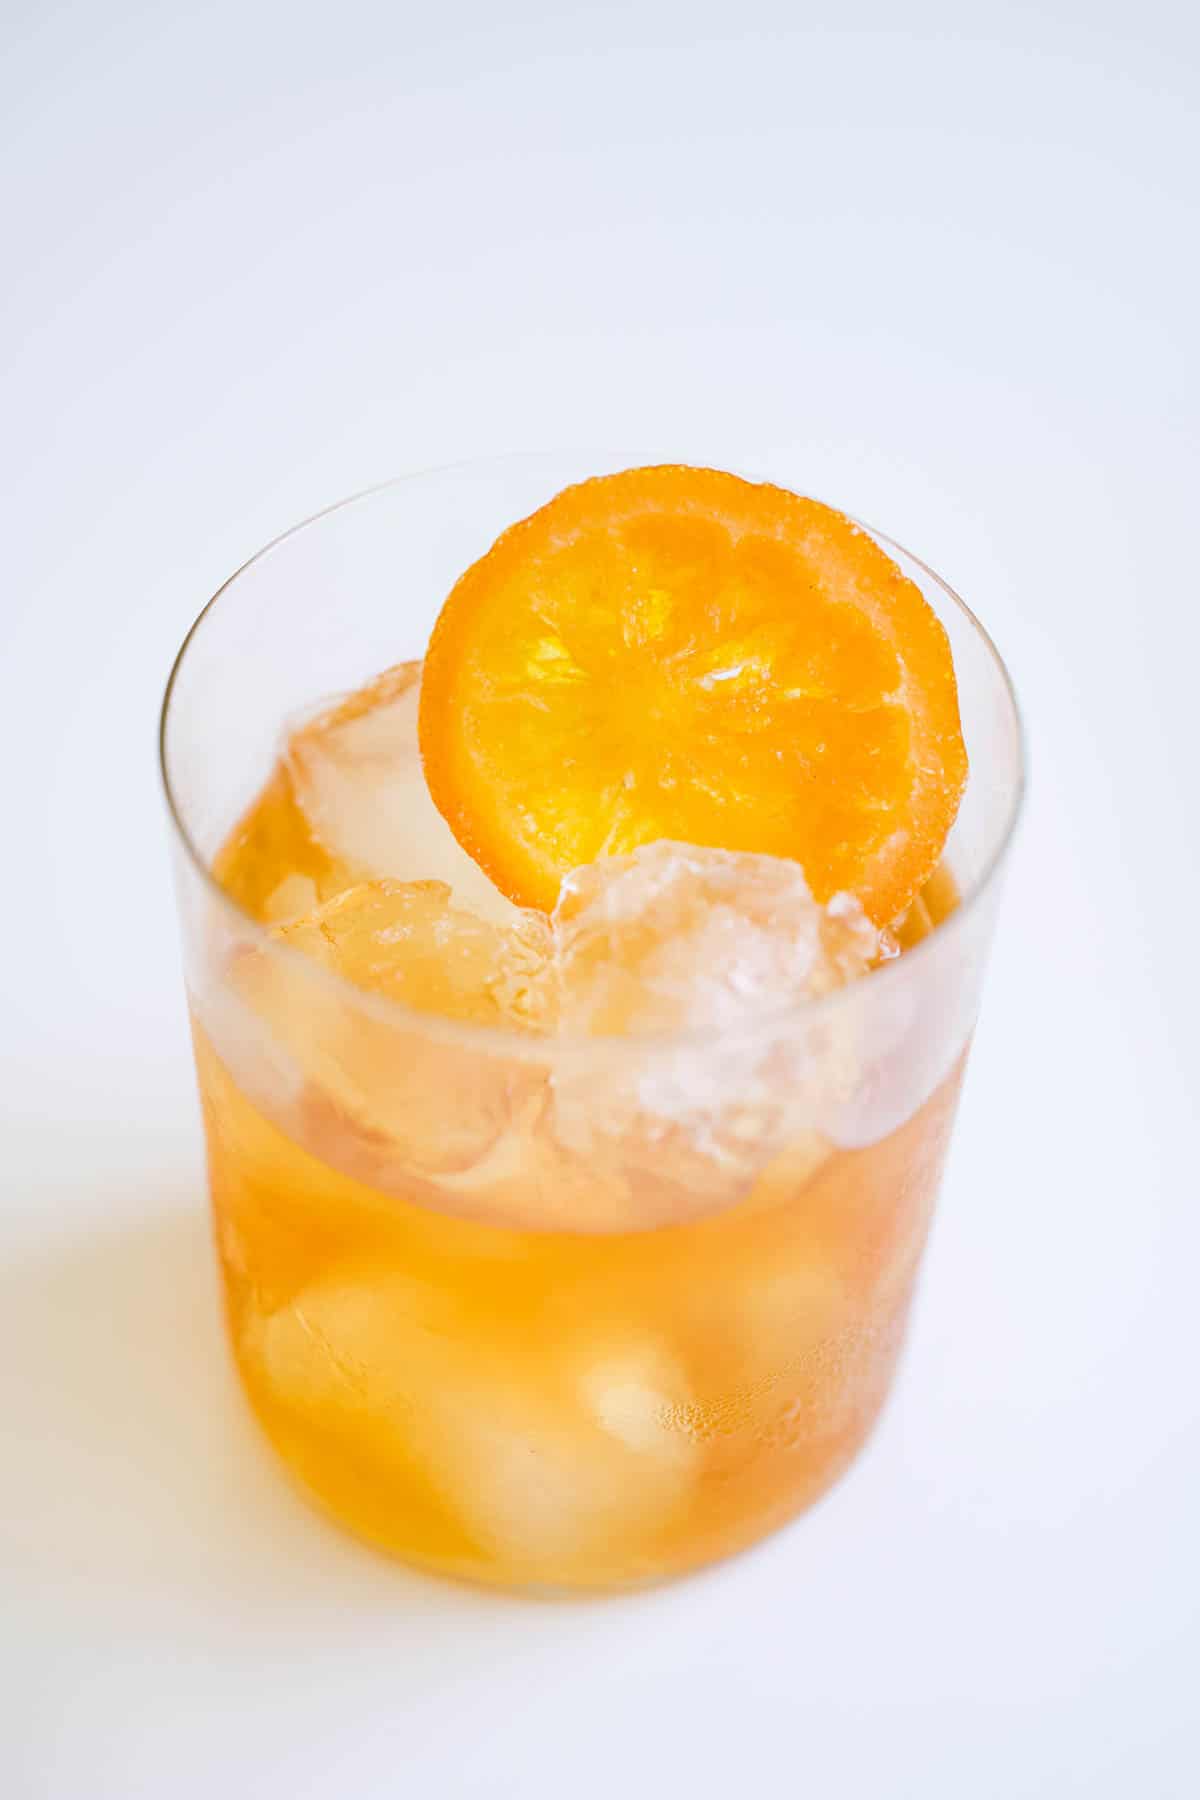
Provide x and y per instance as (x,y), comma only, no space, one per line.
(569,1212)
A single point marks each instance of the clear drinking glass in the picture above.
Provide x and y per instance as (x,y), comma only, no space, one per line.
(503,1305)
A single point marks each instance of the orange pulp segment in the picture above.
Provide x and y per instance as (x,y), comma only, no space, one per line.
(675,652)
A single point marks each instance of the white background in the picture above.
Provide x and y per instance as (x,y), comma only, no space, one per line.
(938,261)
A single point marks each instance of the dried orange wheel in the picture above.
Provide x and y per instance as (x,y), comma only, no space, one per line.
(678,653)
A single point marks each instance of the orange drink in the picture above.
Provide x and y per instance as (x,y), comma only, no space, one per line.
(580,1013)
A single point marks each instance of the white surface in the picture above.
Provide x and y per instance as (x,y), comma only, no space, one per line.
(942,273)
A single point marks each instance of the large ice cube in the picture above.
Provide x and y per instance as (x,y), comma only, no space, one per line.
(728,948)
(552,1453)
(386,1094)
(676,937)
(407,941)
(765,1325)
(356,773)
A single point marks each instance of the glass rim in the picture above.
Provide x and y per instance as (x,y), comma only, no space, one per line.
(530,1046)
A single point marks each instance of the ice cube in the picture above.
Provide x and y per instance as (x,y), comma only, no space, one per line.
(529,1181)
(728,948)
(405,940)
(756,1325)
(676,937)
(386,1096)
(294,896)
(543,1455)
(356,774)
(636,1392)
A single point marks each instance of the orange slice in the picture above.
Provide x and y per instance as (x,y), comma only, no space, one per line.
(677,653)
